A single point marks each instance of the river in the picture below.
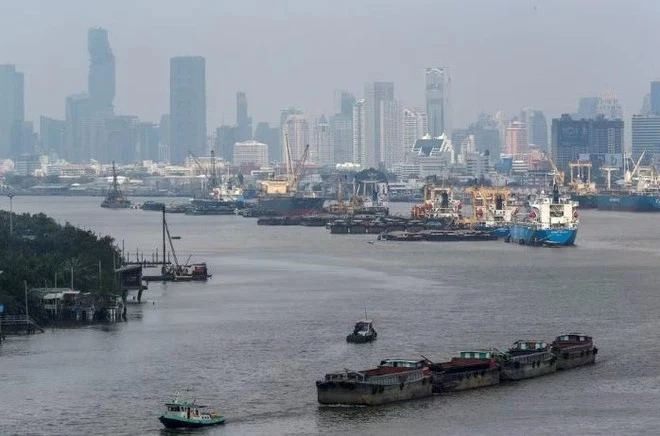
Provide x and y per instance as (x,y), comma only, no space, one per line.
(252,340)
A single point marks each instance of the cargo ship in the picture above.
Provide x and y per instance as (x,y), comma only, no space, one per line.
(631,202)
(115,198)
(393,380)
(280,197)
(553,221)
(470,370)
(574,349)
(493,210)
(439,209)
(527,359)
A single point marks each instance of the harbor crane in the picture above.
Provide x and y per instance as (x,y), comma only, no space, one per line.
(558,176)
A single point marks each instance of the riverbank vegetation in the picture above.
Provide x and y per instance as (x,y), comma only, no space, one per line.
(45,254)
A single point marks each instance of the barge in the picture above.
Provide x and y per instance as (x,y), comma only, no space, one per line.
(470,370)
(393,380)
(573,350)
(527,359)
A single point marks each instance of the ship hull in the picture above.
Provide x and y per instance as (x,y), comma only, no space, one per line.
(530,235)
(291,206)
(461,381)
(567,359)
(365,394)
(630,203)
(189,423)
(586,201)
(510,371)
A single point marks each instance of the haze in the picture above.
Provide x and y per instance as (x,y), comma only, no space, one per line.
(503,55)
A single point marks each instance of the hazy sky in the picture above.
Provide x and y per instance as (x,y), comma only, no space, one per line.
(503,54)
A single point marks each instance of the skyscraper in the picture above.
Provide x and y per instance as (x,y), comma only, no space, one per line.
(76,112)
(243,122)
(437,101)
(537,128)
(101,79)
(655,97)
(415,126)
(164,138)
(594,137)
(609,106)
(346,102)
(12,109)
(52,134)
(187,107)
(284,115)
(359,133)
(271,137)
(297,129)
(341,135)
(391,143)
(588,107)
(517,140)
(646,134)
(375,93)
(323,152)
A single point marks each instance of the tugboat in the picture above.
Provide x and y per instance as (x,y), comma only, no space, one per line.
(527,359)
(574,349)
(183,414)
(115,199)
(393,380)
(363,331)
(470,370)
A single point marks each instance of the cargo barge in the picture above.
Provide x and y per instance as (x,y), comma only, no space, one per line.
(471,370)
(393,380)
(573,350)
(527,359)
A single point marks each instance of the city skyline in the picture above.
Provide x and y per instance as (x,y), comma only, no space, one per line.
(484,76)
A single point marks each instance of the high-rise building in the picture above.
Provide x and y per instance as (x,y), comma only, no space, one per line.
(341,137)
(391,143)
(655,97)
(359,133)
(517,140)
(415,126)
(164,138)
(322,151)
(609,106)
(187,107)
(225,138)
(345,104)
(76,112)
(588,107)
(52,134)
(12,109)
(101,79)
(375,93)
(284,115)
(121,136)
(250,153)
(486,136)
(437,101)
(243,121)
(537,128)
(271,137)
(646,134)
(297,129)
(147,146)
(582,139)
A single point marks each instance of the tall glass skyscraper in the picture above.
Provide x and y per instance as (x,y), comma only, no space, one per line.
(187,107)
(437,101)
(101,79)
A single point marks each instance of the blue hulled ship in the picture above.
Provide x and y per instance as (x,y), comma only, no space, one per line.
(552,221)
(631,202)
(493,210)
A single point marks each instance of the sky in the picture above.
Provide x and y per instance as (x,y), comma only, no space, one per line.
(502,54)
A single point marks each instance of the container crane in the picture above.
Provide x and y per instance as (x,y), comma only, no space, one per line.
(558,176)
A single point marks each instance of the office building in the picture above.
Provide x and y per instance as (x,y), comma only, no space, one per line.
(517,141)
(52,133)
(375,94)
(437,101)
(12,110)
(598,140)
(341,136)
(297,129)
(391,143)
(101,79)
(646,135)
(322,151)
(250,153)
(187,107)
(654,98)
(359,133)
(271,137)
(243,121)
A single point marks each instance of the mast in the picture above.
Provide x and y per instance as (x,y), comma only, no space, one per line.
(164,248)
(214,177)
(115,184)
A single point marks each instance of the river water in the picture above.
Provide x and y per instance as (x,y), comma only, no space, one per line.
(252,341)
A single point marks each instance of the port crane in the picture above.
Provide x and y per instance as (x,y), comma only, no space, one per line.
(213,178)
(293,175)
(557,176)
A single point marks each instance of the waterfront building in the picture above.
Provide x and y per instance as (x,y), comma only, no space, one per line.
(250,153)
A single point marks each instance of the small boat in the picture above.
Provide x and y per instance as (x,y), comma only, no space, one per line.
(393,380)
(363,332)
(527,359)
(183,414)
(574,349)
(470,370)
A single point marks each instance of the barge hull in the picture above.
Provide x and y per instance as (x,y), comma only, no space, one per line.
(362,394)
(447,382)
(568,360)
(528,370)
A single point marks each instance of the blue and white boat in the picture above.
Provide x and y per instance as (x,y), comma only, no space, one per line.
(553,221)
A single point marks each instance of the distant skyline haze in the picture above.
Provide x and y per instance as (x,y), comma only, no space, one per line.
(502,55)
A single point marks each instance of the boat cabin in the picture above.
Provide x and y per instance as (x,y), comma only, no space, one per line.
(401,363)
(571,339)
(363,328)
(186,410)
(529,346)
(475,355)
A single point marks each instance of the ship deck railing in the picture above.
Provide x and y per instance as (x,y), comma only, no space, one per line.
(533,357)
